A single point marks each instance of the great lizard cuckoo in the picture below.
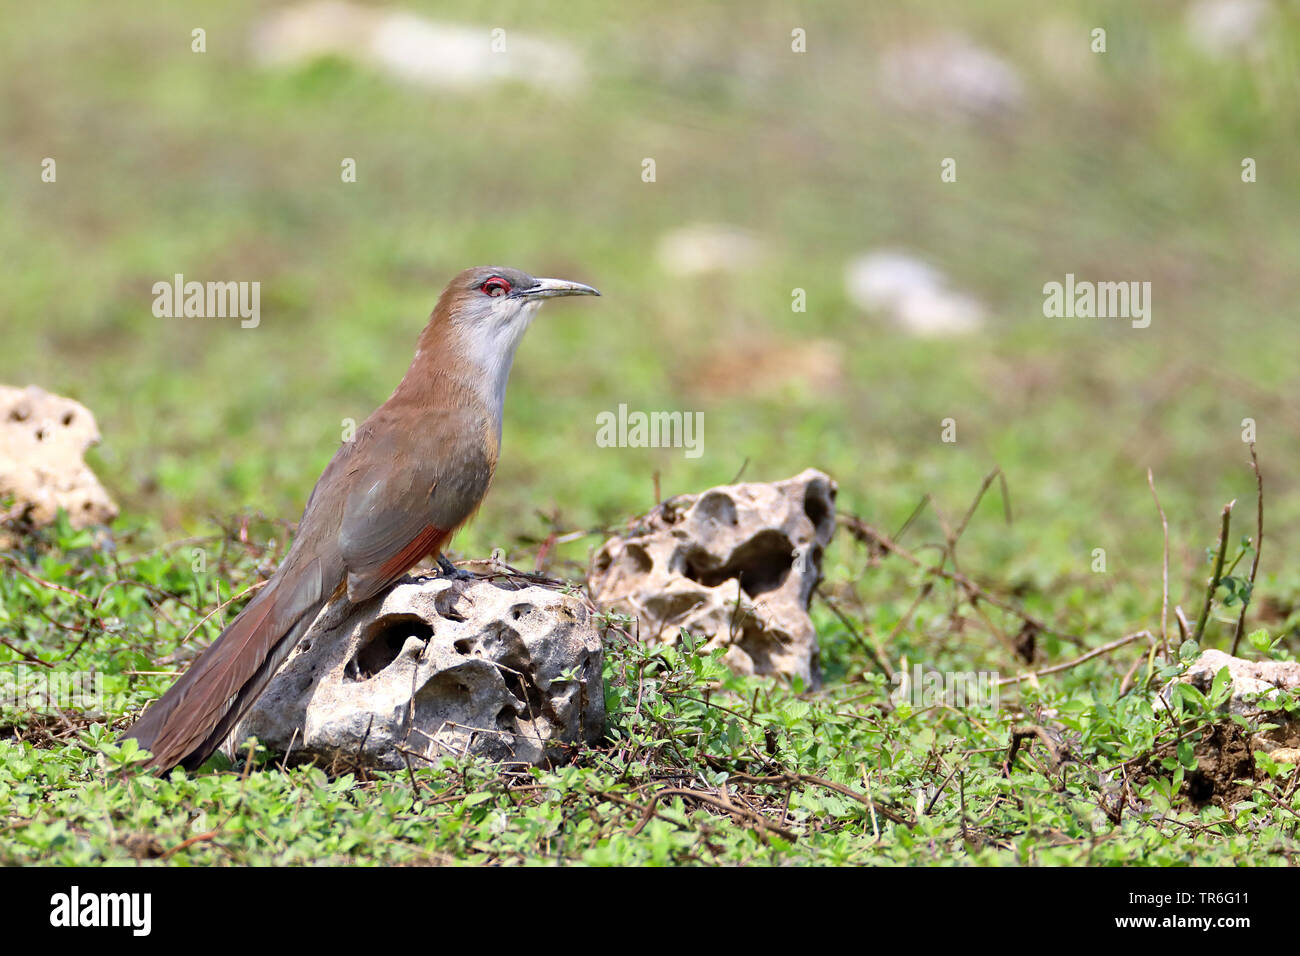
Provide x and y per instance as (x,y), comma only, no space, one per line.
(416,470)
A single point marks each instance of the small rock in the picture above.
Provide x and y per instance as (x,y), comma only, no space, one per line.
(43,439)
(438,667)
(734,566)
(1222,28)
(950,75)
(914,294)
(413,49)
(704,248)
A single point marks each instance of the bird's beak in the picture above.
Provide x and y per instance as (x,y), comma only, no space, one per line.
(550,288)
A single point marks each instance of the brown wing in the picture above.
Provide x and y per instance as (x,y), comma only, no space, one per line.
(201,708)
(410,491)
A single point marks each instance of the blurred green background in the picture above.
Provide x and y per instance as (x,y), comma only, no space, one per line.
(1122,165)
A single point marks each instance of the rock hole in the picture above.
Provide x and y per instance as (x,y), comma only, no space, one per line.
(671,605)
(819,506)
(444,603)
(382,641)
(669,510)
(637,559)
(763,647)
(717,507)
(761,564)
(506,720)
(525,692)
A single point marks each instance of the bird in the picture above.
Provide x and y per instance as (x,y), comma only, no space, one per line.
(415,471)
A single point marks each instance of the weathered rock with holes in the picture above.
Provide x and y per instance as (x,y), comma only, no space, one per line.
(438,667)
(42,440)
(735,565)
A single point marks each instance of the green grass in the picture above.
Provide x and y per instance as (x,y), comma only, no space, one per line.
(1123,165)
(853,773)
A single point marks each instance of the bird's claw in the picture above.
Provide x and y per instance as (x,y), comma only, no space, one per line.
(448,570)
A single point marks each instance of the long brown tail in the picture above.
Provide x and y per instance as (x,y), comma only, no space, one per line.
(196,714)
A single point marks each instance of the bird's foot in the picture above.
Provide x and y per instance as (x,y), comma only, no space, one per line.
(448,570)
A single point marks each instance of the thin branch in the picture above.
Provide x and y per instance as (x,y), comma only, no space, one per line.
(920,506)
(1164,593)
(1083,658)
(1020,734)
(1218,570)
(1259,540)
(877,658)
(874,538)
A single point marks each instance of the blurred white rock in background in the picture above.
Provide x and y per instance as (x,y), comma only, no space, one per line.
(1225,27)
(950,74)
(411,48)
(704,248)
(912,293)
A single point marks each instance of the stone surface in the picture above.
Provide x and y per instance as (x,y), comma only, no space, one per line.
(911,293)
(692,560)
(412,49)
(43,439)
(438,667)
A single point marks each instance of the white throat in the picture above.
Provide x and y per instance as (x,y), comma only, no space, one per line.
(490,346)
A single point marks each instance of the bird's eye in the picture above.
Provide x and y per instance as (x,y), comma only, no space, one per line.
(495,287)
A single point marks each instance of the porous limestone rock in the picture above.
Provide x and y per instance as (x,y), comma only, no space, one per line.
(735,566)
(43,438)
(437,667)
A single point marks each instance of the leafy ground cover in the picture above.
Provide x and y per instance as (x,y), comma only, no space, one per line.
(1082,764)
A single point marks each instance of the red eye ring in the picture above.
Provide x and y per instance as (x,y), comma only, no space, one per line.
(495,287)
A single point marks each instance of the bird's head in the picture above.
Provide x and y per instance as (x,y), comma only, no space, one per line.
(493,305)
(485,311)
